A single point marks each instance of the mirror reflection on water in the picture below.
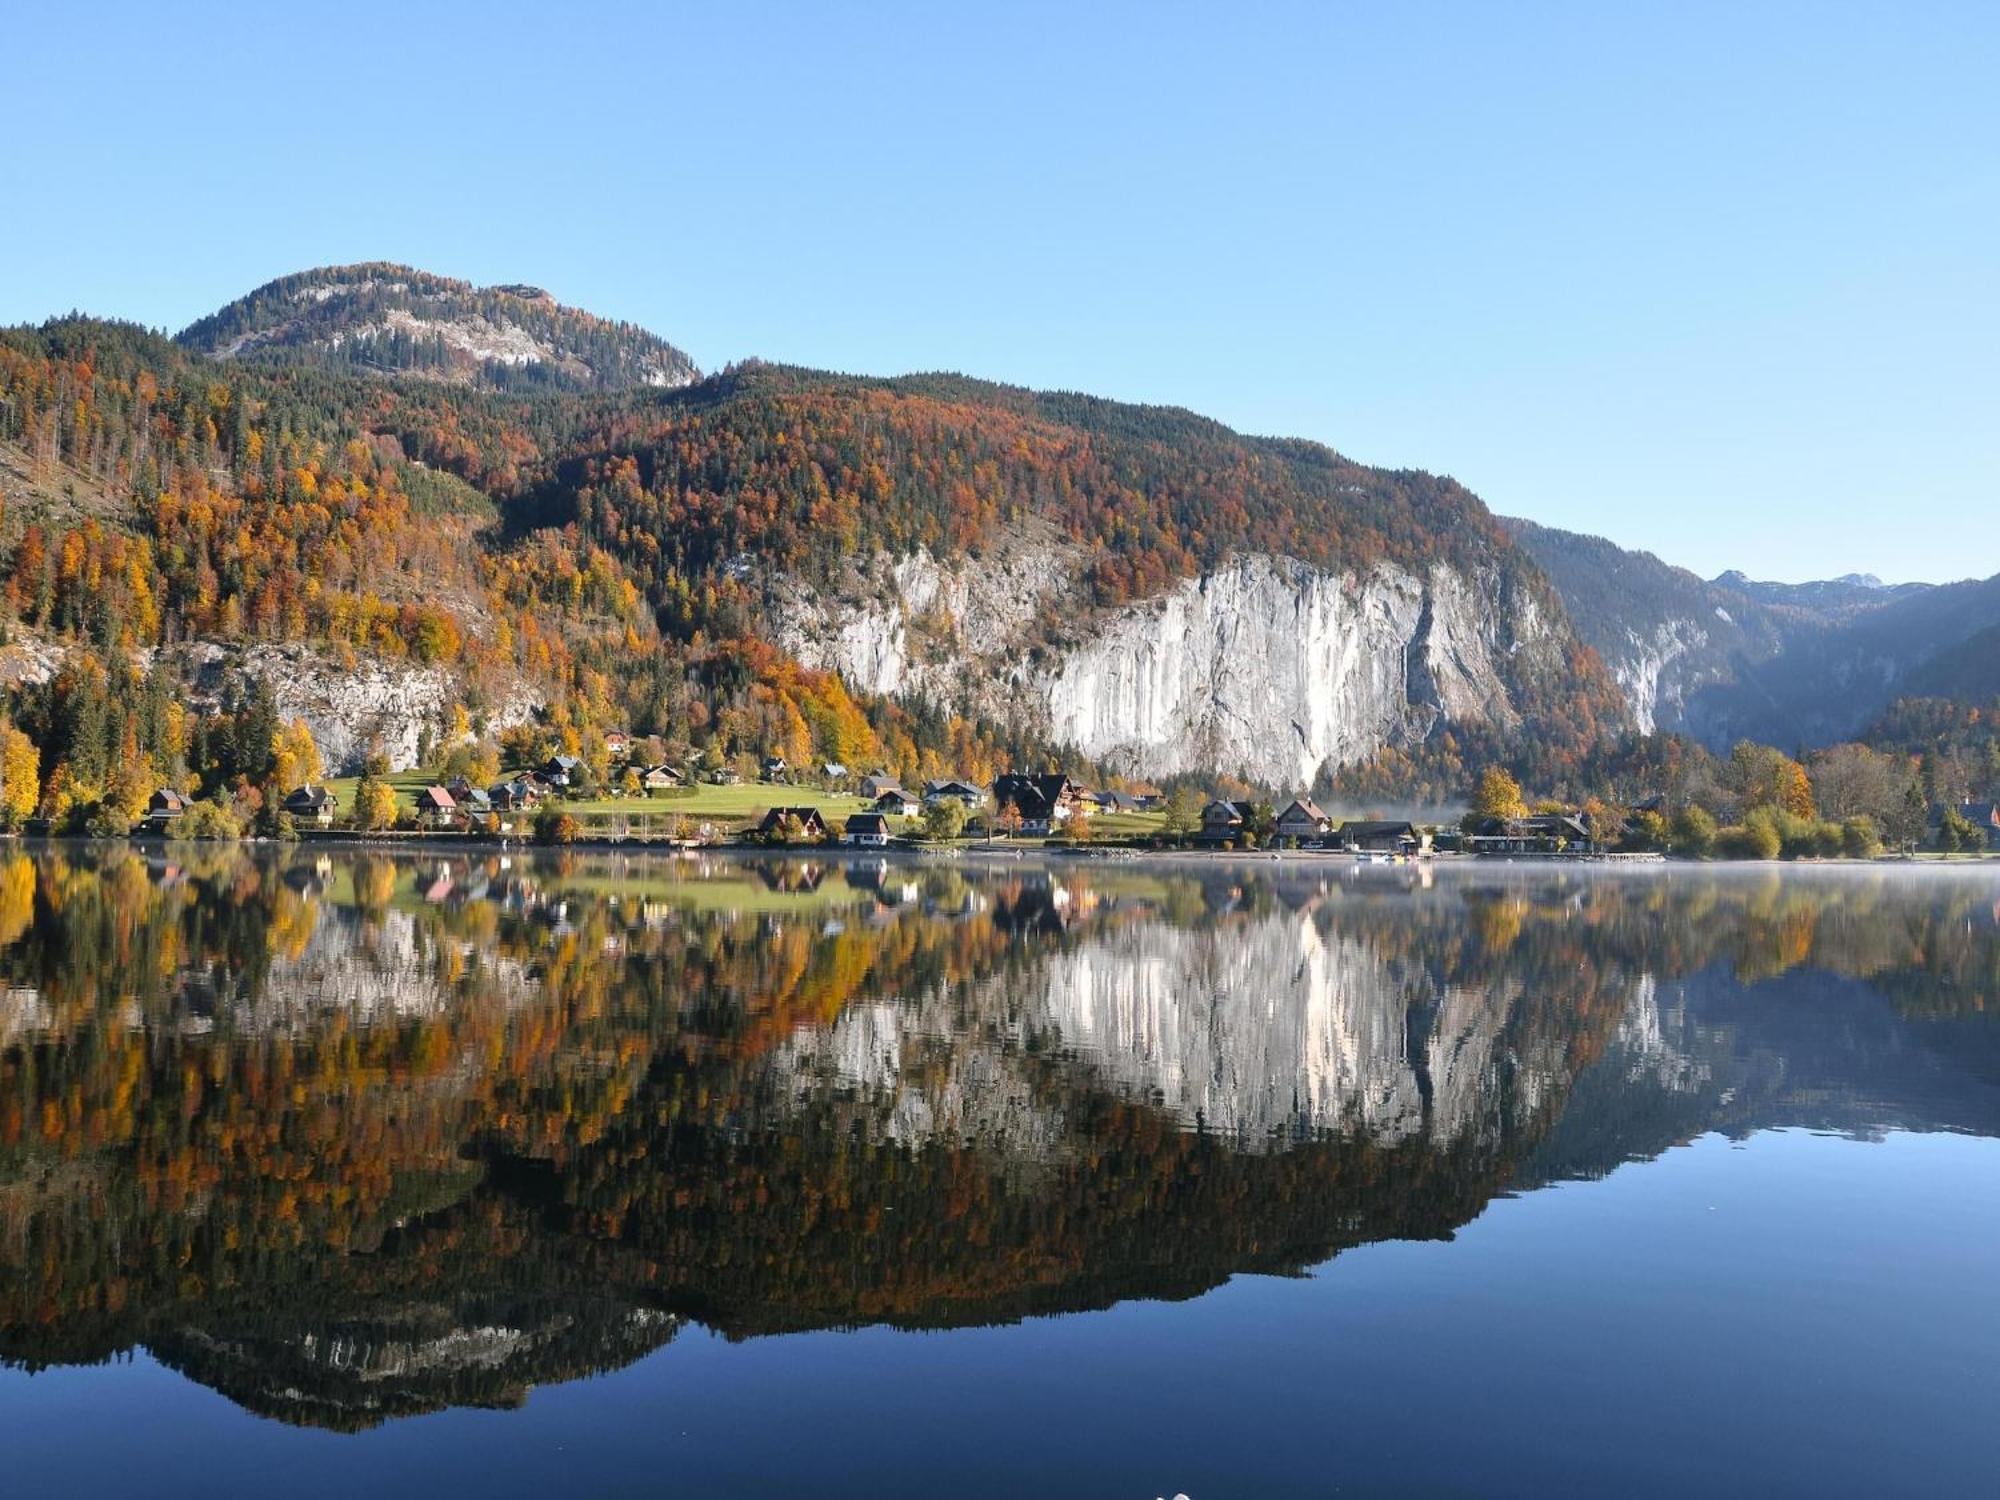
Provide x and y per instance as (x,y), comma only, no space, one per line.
(1574,1178)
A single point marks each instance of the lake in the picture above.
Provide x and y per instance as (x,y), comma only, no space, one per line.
(383,1175)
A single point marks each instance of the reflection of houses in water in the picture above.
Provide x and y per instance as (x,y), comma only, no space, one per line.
(891,885)
(1044,907)
(791,878)
(309,877)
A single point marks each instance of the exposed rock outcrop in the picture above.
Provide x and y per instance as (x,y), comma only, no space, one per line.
(1267,667)
(352,709)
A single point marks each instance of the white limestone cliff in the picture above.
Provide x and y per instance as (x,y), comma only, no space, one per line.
(1267,667)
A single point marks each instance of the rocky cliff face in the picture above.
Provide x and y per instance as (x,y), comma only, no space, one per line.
(1267,668)
(353,708)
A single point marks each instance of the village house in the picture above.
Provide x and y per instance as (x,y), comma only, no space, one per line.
(659,779)
(1041,802)
(437,807)
(875,783)
(310,804)
(617,744)
(833,773)
(509,796)
(562,771)
(867,830)
(895,800)
(1302,822)
(163,809)
(1224,820)
(793,825)
(1541,833)
(774,768)
(962,792)
(1381,836)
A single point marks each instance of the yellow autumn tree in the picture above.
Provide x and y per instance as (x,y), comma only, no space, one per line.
(131,786)
(295,757)
(20,774)
(1499,795)
(374,804)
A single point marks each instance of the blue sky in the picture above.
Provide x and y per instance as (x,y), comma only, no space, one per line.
(1718,281)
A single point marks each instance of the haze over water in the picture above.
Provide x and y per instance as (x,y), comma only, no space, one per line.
(886,1178)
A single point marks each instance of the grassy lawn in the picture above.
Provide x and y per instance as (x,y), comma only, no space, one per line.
(1132,825)
(406,783)
(728,807)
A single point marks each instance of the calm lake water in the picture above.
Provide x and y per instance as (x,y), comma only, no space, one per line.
(376,1176)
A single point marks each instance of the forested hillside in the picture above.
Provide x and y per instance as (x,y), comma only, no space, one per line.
(608,547)
(548,532)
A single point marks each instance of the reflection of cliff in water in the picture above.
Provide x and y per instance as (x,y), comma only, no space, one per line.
(1267,1029)
(352,1139)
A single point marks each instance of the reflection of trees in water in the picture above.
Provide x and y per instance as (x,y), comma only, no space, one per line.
(355,1137)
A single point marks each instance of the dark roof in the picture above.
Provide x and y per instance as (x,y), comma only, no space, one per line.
(1538,825)
(1375,828)
(867,822)
(1052,787)
(309,798)
(808,818)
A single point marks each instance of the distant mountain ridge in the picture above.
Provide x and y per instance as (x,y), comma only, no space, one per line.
(383,318)
(1787,664)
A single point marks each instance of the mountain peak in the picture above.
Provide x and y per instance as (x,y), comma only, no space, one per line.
(393,319)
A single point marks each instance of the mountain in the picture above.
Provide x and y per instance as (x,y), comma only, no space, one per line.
(1966,672)
(1784,664)
(390,319)
(1827,598)
(376,497)
(933,572)
(1665,633)
(1137,583)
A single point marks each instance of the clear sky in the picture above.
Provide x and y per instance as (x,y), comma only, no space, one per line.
(1719,281)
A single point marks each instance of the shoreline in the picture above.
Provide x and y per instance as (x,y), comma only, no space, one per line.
(418,843)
